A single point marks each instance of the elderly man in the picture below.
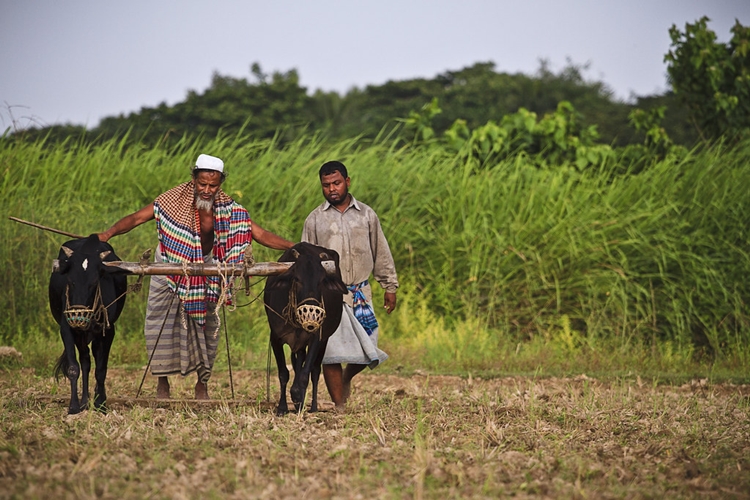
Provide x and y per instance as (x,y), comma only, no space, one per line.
(196,222)
(352,228)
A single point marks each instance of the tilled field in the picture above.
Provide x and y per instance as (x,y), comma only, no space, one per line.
(420,436)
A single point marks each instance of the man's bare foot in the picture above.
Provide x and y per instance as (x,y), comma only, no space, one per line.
(201,390)
(162,388)
(340,409)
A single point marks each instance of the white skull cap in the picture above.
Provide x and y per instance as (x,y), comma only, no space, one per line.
(209,162)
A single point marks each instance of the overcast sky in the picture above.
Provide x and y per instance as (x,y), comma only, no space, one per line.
(77,61)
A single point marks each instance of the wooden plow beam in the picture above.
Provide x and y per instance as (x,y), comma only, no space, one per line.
(201,269)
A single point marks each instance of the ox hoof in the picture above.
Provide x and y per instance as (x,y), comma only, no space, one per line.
(100,402)
(280,412)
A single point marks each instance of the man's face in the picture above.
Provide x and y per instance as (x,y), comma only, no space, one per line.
(207,185)
(335,188)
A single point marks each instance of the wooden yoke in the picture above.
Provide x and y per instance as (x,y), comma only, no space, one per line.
(202,269)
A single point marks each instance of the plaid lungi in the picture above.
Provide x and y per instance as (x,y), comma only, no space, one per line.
(184,346)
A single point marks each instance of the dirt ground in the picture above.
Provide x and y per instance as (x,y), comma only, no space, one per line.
(418,436)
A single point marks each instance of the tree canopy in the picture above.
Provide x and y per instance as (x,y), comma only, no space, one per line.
(712,79)
(710,99)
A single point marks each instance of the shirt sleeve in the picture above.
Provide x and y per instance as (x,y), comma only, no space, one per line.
(308,230)
(384,268)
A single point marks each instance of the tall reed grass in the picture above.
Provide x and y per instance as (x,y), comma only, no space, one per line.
(491,260)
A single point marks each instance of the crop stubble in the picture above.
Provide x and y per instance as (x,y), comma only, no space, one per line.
(420,436)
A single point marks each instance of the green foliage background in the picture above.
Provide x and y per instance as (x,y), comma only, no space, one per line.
(490,260)
(535,221)
(712,79)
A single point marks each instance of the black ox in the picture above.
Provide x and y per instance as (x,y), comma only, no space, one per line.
(303,306)
(86,298)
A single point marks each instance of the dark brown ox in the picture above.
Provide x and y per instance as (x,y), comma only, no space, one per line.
(86,297)
(303,306)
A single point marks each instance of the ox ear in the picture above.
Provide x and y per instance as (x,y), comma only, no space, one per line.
(68,251)
(103,255)
(280,281)
(295,253)
(63,266)
(335,284)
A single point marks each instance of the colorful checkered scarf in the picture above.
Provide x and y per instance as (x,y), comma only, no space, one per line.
(178,226)
(362,309)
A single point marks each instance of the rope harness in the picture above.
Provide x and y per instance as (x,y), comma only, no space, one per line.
(308,314)
(82,317)
(227,282)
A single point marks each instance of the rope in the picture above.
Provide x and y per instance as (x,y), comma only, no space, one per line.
(248,291)
(227,280)
(291,304)
(223,286)
(257,297)
(101,311)
(221,300)
(81,316)
(135,287)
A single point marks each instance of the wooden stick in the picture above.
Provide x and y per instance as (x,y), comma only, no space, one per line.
(39,226)
(200,269)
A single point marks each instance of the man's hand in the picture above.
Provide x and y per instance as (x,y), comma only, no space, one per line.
(389,302)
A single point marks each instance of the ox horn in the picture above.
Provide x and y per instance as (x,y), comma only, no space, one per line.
(104,254)
(68,251)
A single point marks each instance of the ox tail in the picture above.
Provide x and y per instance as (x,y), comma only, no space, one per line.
(61,367)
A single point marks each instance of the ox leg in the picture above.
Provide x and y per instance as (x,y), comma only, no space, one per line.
(72,368)
(315,374)
(84,356)
(301,379)
(314,378)
(101,347)
(278,353)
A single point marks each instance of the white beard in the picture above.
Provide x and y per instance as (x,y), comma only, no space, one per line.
(204,205)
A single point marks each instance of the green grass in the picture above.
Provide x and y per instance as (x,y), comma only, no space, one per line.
(506,268)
